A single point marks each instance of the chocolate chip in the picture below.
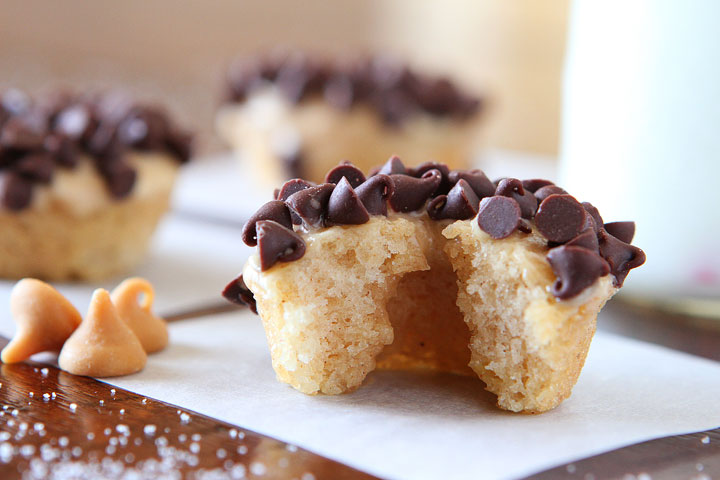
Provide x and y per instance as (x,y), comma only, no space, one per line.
(38,167)
(621,256)
(352,173)
(512,187)
(119,177)
(374,192)
(576,269)
(392,167)
(345,207)
(292,186)
(73,122)
(421,169)
(543,192)
(411,193)
(277,244)
(498,216)
(180,144)
(478,181)
(624,231)
(587,239)
(560,218)
(64,150)
(525,226)
(274,210)
(595,214)
(339,92)
(460,203)
(534,184)
(310,204)
(16,134)
(15,191)
(238,293)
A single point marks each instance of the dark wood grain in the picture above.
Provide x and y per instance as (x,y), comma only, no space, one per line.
(692,456)
(57,425)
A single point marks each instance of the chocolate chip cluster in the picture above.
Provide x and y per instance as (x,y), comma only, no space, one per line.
(392,89)
(582,248)
(38,137)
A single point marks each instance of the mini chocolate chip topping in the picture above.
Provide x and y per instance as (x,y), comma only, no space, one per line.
(310,204)
(345,207)
(392,167)
(277,244)
(345,170)
(478,181)
(411,193)
(534,184)
(375,192)
(576,269)
(38,137)
(621,256)
(392,90)
(560,218)
(543,192)
(587,239)
(237,292)
(582,248)
(513,188)
(292,186)
(624,231)
(460,203)
(498,216)
(274,210)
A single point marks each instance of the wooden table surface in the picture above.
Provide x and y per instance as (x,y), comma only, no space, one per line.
(57,425)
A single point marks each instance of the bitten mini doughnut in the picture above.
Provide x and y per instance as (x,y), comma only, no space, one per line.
(432,268)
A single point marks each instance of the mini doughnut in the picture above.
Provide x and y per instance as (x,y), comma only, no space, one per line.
(150,329)
(44,319)
(103,345)
(432,268)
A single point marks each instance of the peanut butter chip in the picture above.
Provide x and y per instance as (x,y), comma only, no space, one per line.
(103,345)
(44,319)
(150,329)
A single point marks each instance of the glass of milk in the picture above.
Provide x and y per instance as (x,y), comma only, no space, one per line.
(641,137)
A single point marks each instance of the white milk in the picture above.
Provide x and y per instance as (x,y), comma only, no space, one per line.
(641,133)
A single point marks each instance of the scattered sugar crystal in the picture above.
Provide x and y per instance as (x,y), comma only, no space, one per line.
(184,417)
(307,476)
(27,450)
(112,392)
(221,453)
(23,426)
(233,433)
(161,442)
(102,402)
(242,449)
(6,452)
(149,429)
(63,441)
(31,394)
(182,437)
(238,471)
(196,437)
(258,468)
(195,447)
(241,435)
(39,426)
(705,439)
(15,412)
(144,401)
(10,422)
(76,451)
(73,407)
(571,468)
(291,448)
(90,435)
(4,436)
(137,441)
(122,429)
(44,372)
(110,449)
(113,441)
(123,440)
(122,411)
(46,397)
(107,431)
(129,458)
(53,395)
(699,467)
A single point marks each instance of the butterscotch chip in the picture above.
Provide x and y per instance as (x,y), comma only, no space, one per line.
(44,319)
(133,299)
(103,345)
